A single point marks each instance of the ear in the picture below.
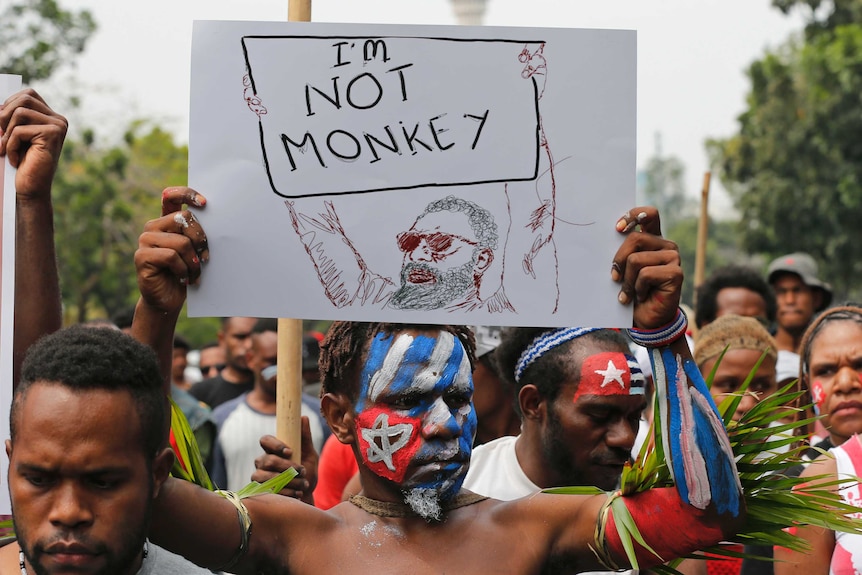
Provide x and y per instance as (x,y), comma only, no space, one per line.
(533,405)
(486,256)
(9,449)
(162,464)
(337,408)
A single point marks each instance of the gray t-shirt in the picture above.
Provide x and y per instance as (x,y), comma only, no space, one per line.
(162,562)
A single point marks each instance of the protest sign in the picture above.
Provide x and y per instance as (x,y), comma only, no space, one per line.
(404,173)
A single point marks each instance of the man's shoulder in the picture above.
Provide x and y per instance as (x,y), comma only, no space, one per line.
(9,559)
(496,447)
(202,388)
(223,411)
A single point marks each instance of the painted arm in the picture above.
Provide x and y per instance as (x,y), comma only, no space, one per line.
(341,269)
(707,504)
(33,136)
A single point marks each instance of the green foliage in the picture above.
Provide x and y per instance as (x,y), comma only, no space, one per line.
(762,451)
(102,199)
(794,169)
(186,448)
(38,36)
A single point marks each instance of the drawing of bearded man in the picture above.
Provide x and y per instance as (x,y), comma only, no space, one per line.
(446,252)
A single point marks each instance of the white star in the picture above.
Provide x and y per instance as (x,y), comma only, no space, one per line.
(612,374)
(385,433)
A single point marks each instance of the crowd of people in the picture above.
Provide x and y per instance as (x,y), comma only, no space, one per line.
(415,438)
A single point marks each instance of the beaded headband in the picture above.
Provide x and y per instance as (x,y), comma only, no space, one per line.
(545,343)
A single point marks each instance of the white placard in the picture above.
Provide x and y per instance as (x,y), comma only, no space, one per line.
(9,84)
(412,173)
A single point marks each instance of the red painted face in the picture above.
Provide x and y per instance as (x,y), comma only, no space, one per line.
(610,373)
(387,441)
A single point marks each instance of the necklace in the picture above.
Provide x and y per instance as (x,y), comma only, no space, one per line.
(398,509)
(24,567)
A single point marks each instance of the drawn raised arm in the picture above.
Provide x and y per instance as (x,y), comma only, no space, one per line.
(341,269)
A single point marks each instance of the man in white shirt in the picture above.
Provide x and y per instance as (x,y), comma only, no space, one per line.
(580,401)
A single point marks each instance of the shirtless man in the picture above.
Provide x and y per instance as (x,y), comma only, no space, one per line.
(400,395)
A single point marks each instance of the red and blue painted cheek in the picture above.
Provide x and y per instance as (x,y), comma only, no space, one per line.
(388,441)
(611,373)
(818,396)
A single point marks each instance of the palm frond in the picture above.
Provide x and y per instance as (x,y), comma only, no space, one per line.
(762,450)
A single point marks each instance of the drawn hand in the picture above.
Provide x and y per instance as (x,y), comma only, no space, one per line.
(170,251)
(32,138)
(277,458)
(648,269)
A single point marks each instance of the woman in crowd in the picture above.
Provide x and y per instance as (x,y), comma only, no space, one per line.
(831,368)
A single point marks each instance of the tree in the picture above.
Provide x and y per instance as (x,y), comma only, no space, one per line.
(102,200)
(37,36)
(794,169)
(664,186)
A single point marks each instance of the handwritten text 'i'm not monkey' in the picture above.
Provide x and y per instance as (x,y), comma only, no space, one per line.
(365,91)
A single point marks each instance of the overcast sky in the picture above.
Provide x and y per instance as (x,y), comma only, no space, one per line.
(692,55)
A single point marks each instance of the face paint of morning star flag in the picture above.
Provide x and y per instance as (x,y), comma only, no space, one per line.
(610,373)
(402,383)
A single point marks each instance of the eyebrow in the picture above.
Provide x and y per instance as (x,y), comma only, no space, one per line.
(96,471)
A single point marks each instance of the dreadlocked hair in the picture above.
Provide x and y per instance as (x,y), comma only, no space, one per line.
(346,344)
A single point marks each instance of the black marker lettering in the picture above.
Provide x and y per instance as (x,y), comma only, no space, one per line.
(345,157)
(401,77)
(338,60)
(374,45)
(435,131)
(481,119)
(335,101)
(350,91)
(410,138)
(302,147)
(392,147)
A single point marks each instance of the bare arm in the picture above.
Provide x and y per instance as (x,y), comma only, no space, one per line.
(168,259)
(822,541)
(33,136)
(204,528)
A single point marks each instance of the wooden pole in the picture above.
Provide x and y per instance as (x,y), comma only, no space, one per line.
(299,10)
(702,233)
(288,402)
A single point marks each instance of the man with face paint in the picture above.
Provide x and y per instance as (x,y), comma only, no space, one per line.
(580,401)
(244,420)
(400,396)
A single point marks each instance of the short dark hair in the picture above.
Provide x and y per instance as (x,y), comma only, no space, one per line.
(181,343)
(265,324)
(347,342)
(124,317)
(84,359)
(553,368)
(731,276)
